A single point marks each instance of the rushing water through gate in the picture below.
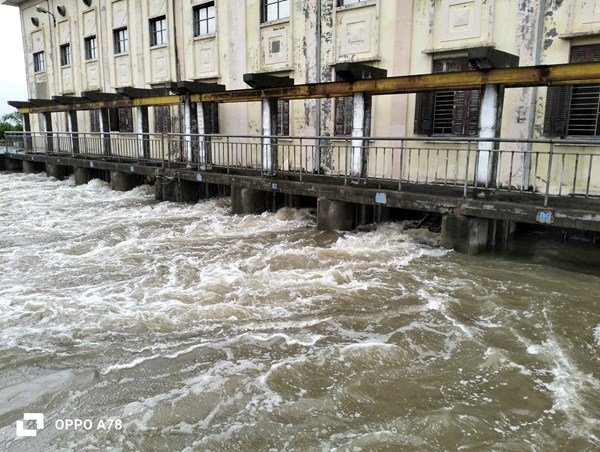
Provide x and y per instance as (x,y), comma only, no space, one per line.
(200,330)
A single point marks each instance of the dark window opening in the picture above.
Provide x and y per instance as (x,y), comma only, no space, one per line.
(158,31)
(448,112)
(162,119)
(39,62)
(90,46)
(65,55)
(574,110)
(121,40)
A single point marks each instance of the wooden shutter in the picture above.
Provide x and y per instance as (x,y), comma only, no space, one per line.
(424,113)
(556,117)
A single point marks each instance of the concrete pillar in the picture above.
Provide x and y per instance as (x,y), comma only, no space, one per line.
(123,181)
(82,175)
(49,137)
(187,128)
(28,141)
(2,163)
(105,130)
(203,148)
(13,165)
(33,167)
(467,235)
(334,215)
(142,128)
(73,128)
(489,127)
(248,201)
(59,172)
(358,131)
(269,153)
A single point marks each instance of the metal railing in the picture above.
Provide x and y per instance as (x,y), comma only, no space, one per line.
(545,167)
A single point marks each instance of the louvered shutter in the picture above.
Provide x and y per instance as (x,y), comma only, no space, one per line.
(424,113)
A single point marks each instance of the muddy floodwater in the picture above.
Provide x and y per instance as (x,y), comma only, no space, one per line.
(177,327)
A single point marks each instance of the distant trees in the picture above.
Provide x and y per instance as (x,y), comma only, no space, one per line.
(10,122)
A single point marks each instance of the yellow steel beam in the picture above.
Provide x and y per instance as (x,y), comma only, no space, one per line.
(560,74)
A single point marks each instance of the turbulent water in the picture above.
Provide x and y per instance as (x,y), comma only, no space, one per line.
(190,329)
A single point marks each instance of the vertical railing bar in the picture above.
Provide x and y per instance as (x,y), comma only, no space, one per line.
(589,179)
(466,169)
(575,174)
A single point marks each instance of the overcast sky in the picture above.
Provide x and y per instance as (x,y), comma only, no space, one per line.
(13,85)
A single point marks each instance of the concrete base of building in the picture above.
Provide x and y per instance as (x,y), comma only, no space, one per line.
(335,215)
(249,201)
(123,181)
(33,167)
(59,172)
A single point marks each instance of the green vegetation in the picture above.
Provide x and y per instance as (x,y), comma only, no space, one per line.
(10,122)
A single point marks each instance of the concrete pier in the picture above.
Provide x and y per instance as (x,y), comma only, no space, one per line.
(33,167)
(13,165)
(334,215)
(120,181)
(467,235)
(249,201)
(59,172)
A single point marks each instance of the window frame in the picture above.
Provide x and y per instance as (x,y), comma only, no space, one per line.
(340,3)
(90,45)
(39,62)
(156,32)
(121,41)
(202,26)
(265,7)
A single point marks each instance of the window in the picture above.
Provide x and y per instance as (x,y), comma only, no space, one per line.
(344,111)
(121,40)
(158,31)
(162,119)
(344,116)
(282,118)
(121,119)
(39,62)
(448,112)
(90,48)
(574,110)
(204,19)
(274,10)
(211,117)
(65,54)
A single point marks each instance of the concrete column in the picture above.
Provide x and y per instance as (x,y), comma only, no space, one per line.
(489,127)
(73,128)
(123,181)
(142,127)
(82,175)
(187,128)
(105,130)
(334,215)
(33,167)
(28,142)
(2,163)
(358,131)
(467,235)
(48,128)
(268,155)
(59,172)
(248,201)
(203,156)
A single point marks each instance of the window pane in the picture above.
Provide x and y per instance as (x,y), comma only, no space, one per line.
(212,25)
(284,9)
(272,12)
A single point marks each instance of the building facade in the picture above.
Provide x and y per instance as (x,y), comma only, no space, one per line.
(78,46)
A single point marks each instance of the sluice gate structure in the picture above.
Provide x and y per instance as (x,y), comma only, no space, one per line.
(481,186)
